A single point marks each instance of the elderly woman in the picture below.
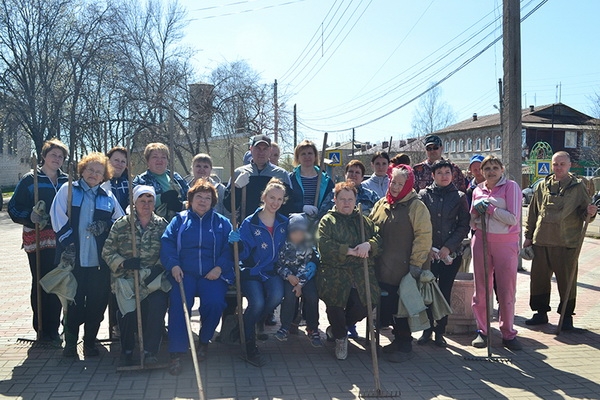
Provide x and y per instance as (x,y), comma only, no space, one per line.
(355,171)
(340,279)
(304,179)
(23,210)
(195,251)
(405,229)
(118,254)
(202,167)
(82,236)
(498,200)
(170,194)
(450,221)
(260,237)
(379,181)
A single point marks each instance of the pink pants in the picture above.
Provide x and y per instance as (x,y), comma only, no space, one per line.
(502,262)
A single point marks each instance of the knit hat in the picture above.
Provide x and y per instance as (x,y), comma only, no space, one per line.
(298,222)
(143,189)
(476,158)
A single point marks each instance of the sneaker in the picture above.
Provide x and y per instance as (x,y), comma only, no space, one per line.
(539,318)
(352,333)
(253,356)
(282,335)
(480,341)
(175,364)
(150,358)
(512,344)
(315,338)
(439,340)
(270,321)
(341,348)
(425,337)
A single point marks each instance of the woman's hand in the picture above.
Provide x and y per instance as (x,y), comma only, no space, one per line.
(293,280)
(527,243)
(362,250)
(214,274)
(297,290)
(444,252)
(177,273)
(592,209)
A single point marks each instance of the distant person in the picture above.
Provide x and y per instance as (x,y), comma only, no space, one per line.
(423,175)
(558,208)
(248,154)
(379,181)
(119,182)
(202,167)
(475,171)
(275,153)
(400,159)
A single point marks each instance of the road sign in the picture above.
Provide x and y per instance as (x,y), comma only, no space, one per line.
(543,168)
(336,158)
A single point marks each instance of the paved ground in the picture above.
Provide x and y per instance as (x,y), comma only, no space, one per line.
(548,368)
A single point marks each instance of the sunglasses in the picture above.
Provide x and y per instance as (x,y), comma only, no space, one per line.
(432,148)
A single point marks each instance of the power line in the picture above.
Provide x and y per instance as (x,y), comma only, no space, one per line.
(228,14)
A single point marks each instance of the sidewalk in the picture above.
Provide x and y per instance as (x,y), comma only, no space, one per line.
(548,368)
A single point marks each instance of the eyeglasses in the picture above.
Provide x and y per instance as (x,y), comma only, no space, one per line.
(95,172)
(432,148)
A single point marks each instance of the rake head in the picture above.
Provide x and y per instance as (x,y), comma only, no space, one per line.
(38,344)
(504,360)
(378,393)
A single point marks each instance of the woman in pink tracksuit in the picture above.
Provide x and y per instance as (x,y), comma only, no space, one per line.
(498,200)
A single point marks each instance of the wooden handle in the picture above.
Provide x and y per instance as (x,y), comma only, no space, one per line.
(321,169)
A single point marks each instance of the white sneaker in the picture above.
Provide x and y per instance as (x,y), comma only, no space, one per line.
(341,348)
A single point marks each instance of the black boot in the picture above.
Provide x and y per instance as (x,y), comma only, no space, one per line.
(253,356)
(425,337)
(70,349)
(539,318)
(567,324)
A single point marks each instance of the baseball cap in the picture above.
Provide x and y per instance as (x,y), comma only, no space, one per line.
(433,139)
(476,158)
(261,139)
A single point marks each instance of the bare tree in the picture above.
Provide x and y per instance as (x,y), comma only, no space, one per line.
(432,113)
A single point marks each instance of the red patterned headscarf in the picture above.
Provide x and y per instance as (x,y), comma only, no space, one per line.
(408,186)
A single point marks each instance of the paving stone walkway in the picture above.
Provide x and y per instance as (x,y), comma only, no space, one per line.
(549,367)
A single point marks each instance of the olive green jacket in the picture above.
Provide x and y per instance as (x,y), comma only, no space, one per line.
(556,216)
(339,273)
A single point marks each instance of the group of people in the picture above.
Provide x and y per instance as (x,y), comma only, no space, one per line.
(300,240)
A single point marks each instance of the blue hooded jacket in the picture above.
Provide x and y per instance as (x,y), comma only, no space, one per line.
(259,249)
(198,244)
(297,198)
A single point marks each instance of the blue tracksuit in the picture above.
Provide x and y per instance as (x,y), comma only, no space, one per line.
(197,244)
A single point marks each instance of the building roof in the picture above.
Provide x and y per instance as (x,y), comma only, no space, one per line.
(558,115)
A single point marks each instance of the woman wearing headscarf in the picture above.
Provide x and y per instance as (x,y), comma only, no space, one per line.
(405,229)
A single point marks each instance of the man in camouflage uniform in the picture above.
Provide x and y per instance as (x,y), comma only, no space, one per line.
(118,254)
(422,171)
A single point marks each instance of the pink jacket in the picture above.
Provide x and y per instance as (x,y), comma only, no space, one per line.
(504,213)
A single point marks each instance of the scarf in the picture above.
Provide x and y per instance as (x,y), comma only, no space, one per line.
(408,186)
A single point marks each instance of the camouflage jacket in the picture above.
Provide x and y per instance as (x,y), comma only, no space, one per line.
(424,178)
(339,273)
(118,248)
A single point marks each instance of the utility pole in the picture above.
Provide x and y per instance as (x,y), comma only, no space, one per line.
(352,142)
(295,127)
(276,112)
(501,105)
(511,115)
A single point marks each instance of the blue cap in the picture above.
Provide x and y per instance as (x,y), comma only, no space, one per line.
(476,158)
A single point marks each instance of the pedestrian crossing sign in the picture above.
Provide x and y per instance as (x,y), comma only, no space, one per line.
(335,157)
(543,168)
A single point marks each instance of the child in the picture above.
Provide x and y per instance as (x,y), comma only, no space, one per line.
(297,266)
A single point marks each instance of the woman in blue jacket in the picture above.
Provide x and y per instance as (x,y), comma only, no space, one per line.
(195,250)
(260,237)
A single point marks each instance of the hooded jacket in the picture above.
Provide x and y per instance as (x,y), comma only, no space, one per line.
(449,215)
(259,249)
(405,229)
(378,184)
(556,216)
(339,272)
(119,188)
(198,244)
(297,199)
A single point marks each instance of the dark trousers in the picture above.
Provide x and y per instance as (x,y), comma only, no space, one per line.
(113,310)
(91,299)
(445,275)
(154,308)
(547,261)
(50,303)
(388,308)
(340,318)
(310,301)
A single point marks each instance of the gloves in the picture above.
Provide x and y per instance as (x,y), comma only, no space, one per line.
(415,272)
(155,271)
(70,249)
(234,236)
(171,199)
(310,210)
(481,206)
(132,263)
(39,214)
(97,228)
(242,180)
(311,270)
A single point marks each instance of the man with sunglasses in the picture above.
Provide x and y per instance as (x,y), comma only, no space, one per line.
(423,172)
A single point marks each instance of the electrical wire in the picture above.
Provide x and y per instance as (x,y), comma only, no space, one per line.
(228,14)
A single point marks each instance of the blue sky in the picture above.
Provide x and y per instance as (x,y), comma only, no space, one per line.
(390,46)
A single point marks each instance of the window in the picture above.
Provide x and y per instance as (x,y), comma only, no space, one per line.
(447,145)
(461,145)
(586,140)
(498,143)
(488,143)
(453,146)
(469,144)
(478,144)
(570,139)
